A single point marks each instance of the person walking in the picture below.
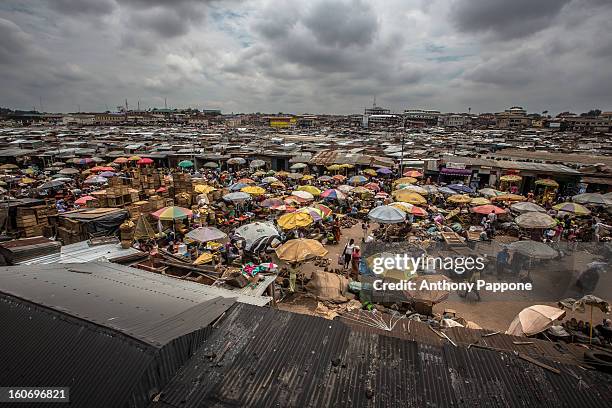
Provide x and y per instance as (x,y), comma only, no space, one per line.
(348,252)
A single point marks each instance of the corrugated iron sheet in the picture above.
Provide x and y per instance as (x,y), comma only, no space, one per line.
(264,357)
(80,252)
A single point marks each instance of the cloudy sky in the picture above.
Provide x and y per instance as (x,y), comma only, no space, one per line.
(319,56)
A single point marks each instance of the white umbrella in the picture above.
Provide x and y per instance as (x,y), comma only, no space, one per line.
(269,180)
(535,220)
(236,160)
(526,206)
(205,234)
(386,214)
(256,233)
(415,189)
(257,163)
(303,194)
(236,197)
(534,319)
(591,198)
(533,249)
(298,166)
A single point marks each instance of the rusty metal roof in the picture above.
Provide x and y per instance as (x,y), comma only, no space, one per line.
(263,357)
(328,157)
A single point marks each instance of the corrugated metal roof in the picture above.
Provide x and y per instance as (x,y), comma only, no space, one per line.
(512,165)
(80,252)
(328,157)
(265,357)
(42,347)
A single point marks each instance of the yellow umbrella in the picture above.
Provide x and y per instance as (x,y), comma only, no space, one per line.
(253,190)
(308,177)
(27,180)
(311,189)
(134,158)
(370,172)
(295,220)
(459,199)
(361,190)
(480,201)
(408,196)
(203,189)
(334,167)
(282,173)
(547,183)
(259,173)
(298,250)
(512,178)
(405,180)
(347,166)
(509,197)
(206,257)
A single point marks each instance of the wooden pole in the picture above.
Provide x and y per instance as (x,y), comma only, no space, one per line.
(591,326)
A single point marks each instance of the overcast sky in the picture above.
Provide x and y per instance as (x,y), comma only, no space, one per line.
(319,56)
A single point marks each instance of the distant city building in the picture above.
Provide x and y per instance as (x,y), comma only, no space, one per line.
(453,120)
(425,117)
(280,122)
(513,118)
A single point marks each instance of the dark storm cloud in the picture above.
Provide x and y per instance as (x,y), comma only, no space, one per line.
(342,24)
(76,7)
(505,18)
(15,44)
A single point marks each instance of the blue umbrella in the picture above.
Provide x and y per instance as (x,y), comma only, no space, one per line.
(462,188)
(446,190)
(237,186)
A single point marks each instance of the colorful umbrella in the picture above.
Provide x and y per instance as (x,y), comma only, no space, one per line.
(415,189)
(253,190)
(462,188)
(408,196)
(315,213)
(272,203)
(310,189)
(96,180)
(298,250)
(509,197)
(172,213)
(333,194)
(325,210)
(339,177)
(84,199)
(145,160)
(282,174)
(511,178)
(134,158)
(334,167)
(325,178)
(573,208)
(205,234)
(305,195)
(236,160)
(185,164)
(295,176)
(121,160)
(82,161)
(412,173)
(203,189)
(410,209)
(547,183)
(246,180)
(384,170)
(488,209)
(108,174)
(372,186)
(405,180)
(307,177)
(386,214)
(480,201)
(97,169)
(294,220)
(370,172)
(357,180)
(345,188)
(237,186)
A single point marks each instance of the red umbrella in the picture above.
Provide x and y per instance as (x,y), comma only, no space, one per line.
(96,169)
(488,209)
(372,186)
(161,190)
(84,199)
(413,173)
(144,160)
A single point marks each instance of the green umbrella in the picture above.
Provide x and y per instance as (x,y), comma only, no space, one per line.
(186,163)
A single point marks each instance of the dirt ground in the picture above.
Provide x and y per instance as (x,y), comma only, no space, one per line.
(495,311)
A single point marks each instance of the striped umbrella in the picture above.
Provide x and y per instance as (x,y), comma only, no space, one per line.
(333,194)
(172,213)
(357,180)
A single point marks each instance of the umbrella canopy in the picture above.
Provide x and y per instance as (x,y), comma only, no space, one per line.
(237,186)
(526,206)
(96,180)
(246,180)
(205,234)
(9,166)
(405,180)
(573,208)
(533,249)
(64,179)
(256,232)
(298,250)
(509,197)
(480,201)
(84,199)
(325,178)
(272,203)
(334,167)
(462,188)
(282,174)
(592,198)
(412,173)
(253,190)
(315,213)
(255,164)
(236,197)
(298,166)
(372,186)
(211,165)
(535,220)
(134,158)
(145,160)
(27,180)
(325,210)
(185,164)
(490,192)
(345,188)
(547,182)
(310,189)
(511,178)
(294,220)
(430,188)
(488,209)
(84,160)
(447,191)
(98,169)
(339,177)
(305,195)
(236,160)
(357,180)
(410,209)
(408,196)
(459,199)
(432,296)
(534,319)
(386,214)
(370,172)
(295,176)
(51,184)
(172,213)
(384,170)
(69,171)
(121,160)
(107,174)
(269,180)
(203,189)
(414,188)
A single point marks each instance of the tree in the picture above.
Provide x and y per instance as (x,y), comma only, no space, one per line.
(592,112)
